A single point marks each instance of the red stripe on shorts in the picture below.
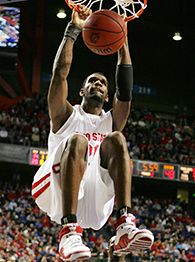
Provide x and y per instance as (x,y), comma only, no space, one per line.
(41,190)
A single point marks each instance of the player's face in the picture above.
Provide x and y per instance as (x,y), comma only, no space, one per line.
(96,87)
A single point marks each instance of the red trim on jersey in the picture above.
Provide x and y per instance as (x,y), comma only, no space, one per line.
(41,190)
(40,181)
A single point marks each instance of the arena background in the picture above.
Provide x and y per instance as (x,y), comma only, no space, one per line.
(163,84)
(164,65)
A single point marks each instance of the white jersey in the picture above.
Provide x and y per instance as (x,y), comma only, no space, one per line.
(94,127)
(96,192)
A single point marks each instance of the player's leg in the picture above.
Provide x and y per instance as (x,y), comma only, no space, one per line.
(72,168)
(115,157)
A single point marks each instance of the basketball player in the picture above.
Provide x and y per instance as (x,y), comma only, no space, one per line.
(88,163)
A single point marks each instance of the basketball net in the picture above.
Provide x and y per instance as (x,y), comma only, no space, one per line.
(129,9)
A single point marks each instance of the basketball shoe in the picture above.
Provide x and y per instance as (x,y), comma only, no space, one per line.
(129,238)
(71,246)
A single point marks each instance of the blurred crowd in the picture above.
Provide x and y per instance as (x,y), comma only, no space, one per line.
(27,235)
(160,137)
(151,136)
(26,123)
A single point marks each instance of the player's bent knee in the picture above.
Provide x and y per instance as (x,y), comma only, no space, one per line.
(117,137)
(77,143)
(116,142)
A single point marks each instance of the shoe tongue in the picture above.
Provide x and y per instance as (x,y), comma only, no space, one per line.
(69,229)
(127,218)
(72,227)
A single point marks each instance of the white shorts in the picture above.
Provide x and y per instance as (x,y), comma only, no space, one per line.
(96,193)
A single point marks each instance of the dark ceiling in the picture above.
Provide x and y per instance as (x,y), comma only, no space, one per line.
(159,62)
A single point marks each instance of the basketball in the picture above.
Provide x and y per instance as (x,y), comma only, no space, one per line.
(104,32)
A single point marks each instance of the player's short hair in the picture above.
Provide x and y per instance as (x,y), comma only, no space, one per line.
(100,73)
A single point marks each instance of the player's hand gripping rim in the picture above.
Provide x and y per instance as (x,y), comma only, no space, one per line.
(80,14)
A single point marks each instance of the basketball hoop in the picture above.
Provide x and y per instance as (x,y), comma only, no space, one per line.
(130,9)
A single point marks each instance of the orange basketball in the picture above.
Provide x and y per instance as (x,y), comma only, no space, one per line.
(104,32)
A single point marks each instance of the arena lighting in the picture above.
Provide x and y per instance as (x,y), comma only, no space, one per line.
(61,14)
(177,36)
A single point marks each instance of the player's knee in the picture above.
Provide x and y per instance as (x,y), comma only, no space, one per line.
(118,141)
(77,145)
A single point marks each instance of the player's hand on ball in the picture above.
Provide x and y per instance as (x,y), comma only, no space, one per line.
(79,17)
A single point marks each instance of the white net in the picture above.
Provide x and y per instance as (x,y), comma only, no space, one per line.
(129,8)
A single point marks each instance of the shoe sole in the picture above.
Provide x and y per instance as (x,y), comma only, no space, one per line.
(83,255)
(140,241)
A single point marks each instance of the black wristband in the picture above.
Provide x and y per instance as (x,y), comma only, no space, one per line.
(124,82)
(72,31)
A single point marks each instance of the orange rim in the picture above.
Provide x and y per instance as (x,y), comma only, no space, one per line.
(72,5)
(131,17)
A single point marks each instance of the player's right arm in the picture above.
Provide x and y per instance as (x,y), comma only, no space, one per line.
(59,108)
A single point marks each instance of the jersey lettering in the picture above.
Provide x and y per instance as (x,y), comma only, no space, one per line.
(92,150)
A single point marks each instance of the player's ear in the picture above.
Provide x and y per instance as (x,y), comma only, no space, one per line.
(81,92)
(107,98)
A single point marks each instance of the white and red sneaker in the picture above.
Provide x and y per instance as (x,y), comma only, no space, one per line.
(129,238)
(71,246)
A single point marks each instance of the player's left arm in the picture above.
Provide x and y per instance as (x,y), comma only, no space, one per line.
(124,86)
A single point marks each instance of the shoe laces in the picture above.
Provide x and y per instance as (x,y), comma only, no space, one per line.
(126,220)
(70,229)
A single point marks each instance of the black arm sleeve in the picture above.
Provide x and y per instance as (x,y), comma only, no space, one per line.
(124,82)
